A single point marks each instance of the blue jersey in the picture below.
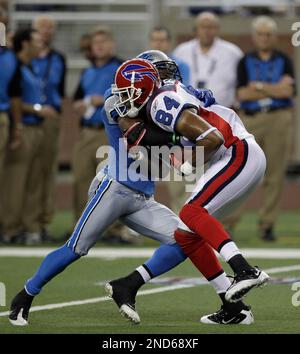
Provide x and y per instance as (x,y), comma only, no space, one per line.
(119,165)
(51,72)
(95,81)
(31,93)
(8,68)
(253,68)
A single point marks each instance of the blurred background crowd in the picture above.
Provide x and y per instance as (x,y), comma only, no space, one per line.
(61,56)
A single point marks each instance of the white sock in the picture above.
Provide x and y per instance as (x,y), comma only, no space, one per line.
(229,250)
(221,283)
(144,273)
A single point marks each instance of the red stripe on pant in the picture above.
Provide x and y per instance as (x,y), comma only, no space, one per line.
(211,187)
(196,217)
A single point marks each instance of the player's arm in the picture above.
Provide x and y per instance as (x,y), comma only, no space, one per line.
(196,129)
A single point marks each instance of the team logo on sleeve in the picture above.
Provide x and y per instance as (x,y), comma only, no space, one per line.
(139,70)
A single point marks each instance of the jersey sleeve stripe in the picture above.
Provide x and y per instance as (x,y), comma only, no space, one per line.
(217,121)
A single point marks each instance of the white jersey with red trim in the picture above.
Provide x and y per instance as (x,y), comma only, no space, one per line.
(167,104)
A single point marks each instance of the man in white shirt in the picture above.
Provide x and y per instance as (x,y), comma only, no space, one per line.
(212,60)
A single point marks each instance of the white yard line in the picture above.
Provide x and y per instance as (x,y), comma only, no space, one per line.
(140,293)
(101,299)
(282,269)
(116,253)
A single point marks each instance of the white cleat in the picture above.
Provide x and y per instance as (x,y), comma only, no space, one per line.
(124,299)
(20,321)
(243,283)
(19,309)
(224,317)
(128,312)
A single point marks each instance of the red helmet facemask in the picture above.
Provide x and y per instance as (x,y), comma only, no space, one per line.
(135,82)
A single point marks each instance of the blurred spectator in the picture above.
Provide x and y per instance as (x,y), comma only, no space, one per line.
(85,47)
(5,20)
(10,104)
(3,12)
(160,39)
(23,165)
(50,68)
(265,90)
(212,60)
(94,81)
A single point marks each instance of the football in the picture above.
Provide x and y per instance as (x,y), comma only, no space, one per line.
(125,123)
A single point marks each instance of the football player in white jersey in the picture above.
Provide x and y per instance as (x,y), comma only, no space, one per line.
(236,162)
(123,290)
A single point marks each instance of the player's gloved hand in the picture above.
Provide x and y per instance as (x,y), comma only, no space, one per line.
(205,96)
(135,134)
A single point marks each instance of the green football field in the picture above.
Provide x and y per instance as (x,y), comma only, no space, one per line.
(172,305)
(172,309)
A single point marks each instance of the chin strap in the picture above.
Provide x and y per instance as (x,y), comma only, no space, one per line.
(133,111)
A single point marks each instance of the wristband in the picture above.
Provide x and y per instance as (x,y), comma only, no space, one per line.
(203,135)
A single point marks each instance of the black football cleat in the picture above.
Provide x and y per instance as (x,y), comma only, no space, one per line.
(244,282)
(124,297)
(19,308)
(226,317)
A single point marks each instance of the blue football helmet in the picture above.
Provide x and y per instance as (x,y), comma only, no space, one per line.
(167,68)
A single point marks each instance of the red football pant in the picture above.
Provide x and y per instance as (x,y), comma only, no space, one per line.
(200,253)
(204,225)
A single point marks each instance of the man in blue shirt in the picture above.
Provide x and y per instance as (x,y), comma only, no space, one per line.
(50,68)
(89,100)
(265,89)
(10,104)
(23,167)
